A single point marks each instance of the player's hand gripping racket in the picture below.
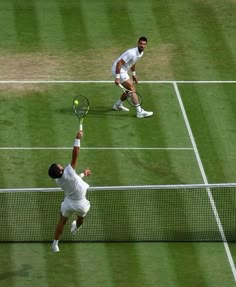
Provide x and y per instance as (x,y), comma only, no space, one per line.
(81,108)
(133,98)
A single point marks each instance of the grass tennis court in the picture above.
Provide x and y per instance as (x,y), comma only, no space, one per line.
(189,59)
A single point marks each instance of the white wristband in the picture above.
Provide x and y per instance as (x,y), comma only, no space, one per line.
(77,143)
(81,175)
(133,73)
(117,76)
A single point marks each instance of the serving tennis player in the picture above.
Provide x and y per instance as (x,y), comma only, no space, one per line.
(74,188)
(120,69)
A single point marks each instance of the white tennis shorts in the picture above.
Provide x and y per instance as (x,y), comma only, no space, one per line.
(78,207)
(124,76)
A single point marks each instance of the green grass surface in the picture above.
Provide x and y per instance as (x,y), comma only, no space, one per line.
(213,130)
(47,115)
(150,264)
(78,40)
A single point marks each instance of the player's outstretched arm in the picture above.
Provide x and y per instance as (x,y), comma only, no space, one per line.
(76,149)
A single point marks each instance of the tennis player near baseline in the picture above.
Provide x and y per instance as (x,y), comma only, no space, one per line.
(120,69)
(75,189)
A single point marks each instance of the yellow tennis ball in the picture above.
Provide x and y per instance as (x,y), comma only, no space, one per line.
(76,102)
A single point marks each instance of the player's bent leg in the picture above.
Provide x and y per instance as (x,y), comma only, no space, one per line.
(82,210)
(118,106)
(76,224)
(135,99)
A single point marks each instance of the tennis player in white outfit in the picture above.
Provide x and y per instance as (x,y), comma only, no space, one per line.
(120,69)
(75,189)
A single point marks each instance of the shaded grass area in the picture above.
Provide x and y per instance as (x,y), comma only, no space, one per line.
(211,112)
(115,265)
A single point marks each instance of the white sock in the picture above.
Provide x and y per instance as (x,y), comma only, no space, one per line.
(138,109)
(119,102)
(55,242)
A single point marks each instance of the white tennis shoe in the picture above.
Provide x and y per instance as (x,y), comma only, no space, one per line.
(144,114)
(74,227)
(55,248)
(120,108)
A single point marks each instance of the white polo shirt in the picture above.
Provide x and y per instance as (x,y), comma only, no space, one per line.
(130,57)
(73,185)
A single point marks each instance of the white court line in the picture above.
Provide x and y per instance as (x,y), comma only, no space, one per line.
(96,148)
(214,209)
(108,82)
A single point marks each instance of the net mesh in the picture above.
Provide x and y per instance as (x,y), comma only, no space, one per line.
(119,214)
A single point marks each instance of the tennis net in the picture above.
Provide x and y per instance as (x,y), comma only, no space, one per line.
(124,213)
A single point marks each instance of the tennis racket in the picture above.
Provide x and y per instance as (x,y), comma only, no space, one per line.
(133,98)
(81,108)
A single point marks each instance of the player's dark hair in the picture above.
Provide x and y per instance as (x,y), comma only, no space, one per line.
(54,171)
(142,39)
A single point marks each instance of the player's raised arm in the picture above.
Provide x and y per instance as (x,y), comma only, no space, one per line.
(76,149)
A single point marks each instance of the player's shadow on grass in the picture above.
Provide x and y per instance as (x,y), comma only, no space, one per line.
(98,112)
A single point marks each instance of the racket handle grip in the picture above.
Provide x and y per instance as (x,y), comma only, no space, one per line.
(80,127)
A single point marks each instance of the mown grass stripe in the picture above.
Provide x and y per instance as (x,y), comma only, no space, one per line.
(50,25)
(26,25)
(8,37)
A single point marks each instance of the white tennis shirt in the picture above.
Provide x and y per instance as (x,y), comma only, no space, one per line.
(130,57)
(73,185)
